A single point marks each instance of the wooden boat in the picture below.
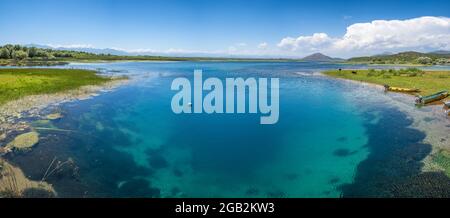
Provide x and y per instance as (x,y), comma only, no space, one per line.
(399,89)
(447,106)
(431,98)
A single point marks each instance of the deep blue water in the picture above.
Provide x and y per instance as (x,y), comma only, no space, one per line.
(129,143)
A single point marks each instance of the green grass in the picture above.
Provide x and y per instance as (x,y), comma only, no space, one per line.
(428,82)
(17,83)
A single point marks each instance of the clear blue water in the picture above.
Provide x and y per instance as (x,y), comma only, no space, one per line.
(129,143)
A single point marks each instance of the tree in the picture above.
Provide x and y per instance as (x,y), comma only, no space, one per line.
(32,52)
(20,55)
(4,53)
(10,49)
(442,61)
(17,47)
(424,60)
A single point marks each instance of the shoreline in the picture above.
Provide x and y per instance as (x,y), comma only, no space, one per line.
(429,119)
(32,104)
(11,125)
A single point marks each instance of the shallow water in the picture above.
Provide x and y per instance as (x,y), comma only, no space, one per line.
(329,140)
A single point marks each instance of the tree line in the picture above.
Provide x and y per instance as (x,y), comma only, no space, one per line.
(18,52)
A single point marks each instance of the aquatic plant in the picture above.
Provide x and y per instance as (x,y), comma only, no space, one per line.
(54,116)
(442,158)
(13,183)
(57,166)
(24,141)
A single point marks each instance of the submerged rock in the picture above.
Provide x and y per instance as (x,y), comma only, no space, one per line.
(3,150)
(24,141)
(54,116)
(2,136)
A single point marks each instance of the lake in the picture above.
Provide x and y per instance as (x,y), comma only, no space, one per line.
(333,138)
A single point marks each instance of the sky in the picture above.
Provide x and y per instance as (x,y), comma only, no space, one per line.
(273,28)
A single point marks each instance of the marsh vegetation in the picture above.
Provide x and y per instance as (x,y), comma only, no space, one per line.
(17,83)
(428,82)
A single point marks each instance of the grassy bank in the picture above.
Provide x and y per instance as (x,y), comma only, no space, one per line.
(427,81)
(17,83)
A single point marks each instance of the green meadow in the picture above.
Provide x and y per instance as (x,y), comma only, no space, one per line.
(17,83)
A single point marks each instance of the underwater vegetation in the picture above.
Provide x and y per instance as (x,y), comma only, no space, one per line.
(24,141)
(442,158)
(394,165)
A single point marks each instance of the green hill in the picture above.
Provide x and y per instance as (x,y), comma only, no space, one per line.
(410,57)
(320,58)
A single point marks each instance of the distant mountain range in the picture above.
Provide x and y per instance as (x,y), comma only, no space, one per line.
(120,52)
(83,49)
(319,57)
(383,58)
(441,52)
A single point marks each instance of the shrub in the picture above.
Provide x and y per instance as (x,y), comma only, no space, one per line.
(372,72)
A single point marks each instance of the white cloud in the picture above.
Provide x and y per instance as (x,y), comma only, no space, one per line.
(306,43)
(422,34)
(378,36)
(263,45)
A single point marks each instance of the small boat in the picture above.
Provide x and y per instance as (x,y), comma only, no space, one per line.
(447,104)
(431,98)
(398,89)
(447,107)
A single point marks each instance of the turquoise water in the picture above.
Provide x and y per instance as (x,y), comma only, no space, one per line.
(129,143)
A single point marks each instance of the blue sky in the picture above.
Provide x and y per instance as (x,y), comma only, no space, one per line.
(197,25)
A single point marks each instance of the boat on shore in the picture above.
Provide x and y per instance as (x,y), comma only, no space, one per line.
(447,104)
(432,98)
(399,89)
(447,107)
